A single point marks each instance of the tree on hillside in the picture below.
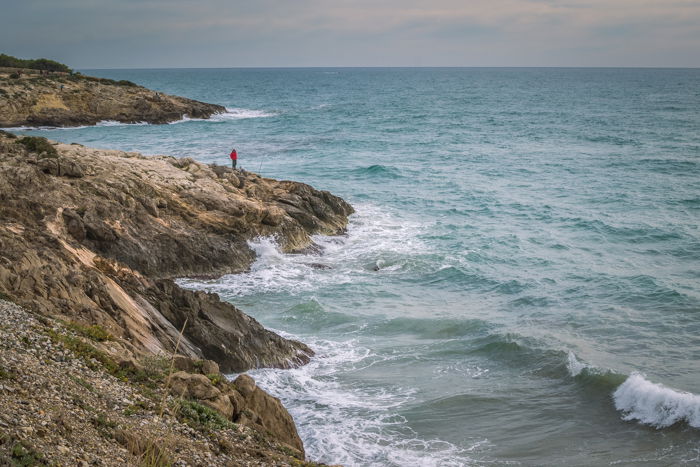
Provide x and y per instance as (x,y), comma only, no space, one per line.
(38,64)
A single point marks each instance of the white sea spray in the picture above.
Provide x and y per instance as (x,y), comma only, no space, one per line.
(656,405)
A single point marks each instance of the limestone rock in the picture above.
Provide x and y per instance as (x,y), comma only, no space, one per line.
(192,386)
(269,414)
(221,404)
(210,367)
(61,167)
(106,247)
(73,100)
(245,385)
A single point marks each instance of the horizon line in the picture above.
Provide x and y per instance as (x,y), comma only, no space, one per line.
(395,67)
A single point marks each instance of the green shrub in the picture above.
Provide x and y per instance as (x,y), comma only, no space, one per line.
(215,378)
(5,374)
(38,64)
(86,351)
(23,455)
(14,75)
(125,82)
(80,381)
(38,145)
(200,417)
(94,332)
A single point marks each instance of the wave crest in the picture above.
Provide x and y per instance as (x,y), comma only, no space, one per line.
(656,405)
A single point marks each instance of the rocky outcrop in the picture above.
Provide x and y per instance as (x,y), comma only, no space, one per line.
(65,401)
(264,412)
(241,402)
(62,100)
(97,236)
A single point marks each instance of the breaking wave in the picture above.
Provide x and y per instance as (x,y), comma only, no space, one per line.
(347,425)
(655,404)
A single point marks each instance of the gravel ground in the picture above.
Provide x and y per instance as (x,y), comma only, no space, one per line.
(58,407)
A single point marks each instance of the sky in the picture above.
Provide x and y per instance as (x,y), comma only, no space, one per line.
(312,33)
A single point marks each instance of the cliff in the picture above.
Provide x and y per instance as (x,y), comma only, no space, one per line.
(90,242)
(28,98)
(96,236)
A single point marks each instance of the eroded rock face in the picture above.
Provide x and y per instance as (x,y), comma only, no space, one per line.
(241,401)
(60,100)
(103,248)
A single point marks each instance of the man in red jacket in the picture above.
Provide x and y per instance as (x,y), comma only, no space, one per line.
(234,158)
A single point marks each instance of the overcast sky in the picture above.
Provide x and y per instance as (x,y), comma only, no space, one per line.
(270,33)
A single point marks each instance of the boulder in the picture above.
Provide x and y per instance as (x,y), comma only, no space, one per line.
(245,385)
(268,413)
(191,386)
(210,367)
(221,404)
(182,363)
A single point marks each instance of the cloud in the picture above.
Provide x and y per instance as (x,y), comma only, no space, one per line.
(355,32)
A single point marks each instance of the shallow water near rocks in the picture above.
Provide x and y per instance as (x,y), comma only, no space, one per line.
(519,285)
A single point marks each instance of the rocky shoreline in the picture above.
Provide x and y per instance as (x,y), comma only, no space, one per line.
(65,401)
(94,238)
(29,99)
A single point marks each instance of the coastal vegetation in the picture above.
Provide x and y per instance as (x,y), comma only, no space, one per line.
(42,64)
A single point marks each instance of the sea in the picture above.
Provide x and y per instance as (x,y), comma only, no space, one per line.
(520,283)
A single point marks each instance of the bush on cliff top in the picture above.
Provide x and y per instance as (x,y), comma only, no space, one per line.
(38,145)
(38,64)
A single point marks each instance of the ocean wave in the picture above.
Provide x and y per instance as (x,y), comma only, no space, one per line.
(430,328)
(315,317)
(656,405)
(379,171)
(591,376)
(116,123)
(638,398)
(376,242)
(239,114)
(350,425)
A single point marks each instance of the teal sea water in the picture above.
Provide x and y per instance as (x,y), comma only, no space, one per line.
(521,282)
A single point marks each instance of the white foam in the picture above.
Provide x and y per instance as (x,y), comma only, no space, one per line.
(102,123)
(116,123)
(656,405)
(237,114)
(230,114)
(574,365)
(353,425)
(377,242)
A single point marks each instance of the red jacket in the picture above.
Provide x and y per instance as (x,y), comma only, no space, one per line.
(234,155)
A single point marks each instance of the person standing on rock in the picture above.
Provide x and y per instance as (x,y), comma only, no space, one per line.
(234,158)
